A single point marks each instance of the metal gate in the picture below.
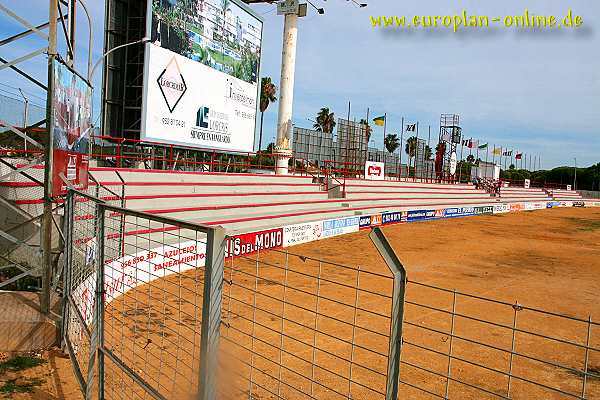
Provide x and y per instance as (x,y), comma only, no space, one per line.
(133,318)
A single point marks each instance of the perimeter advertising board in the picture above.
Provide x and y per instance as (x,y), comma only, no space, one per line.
(302,233)
(71,128)
(340,226)
(201,71)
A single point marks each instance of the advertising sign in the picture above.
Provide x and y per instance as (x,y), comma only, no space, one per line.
(578,204)
(288,7)
(302,233)
(249,243)
(201,71)
(71,129)
(453,163)
(553,204)
(392,218)
(568,187)
(364,222)
(419,215)
(517,207)
(484,210)
(459,212)
(374,170)
(340,226)
(501,208)
(527,183)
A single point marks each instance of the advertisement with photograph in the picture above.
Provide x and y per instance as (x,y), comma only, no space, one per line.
(201,74)
(71,130)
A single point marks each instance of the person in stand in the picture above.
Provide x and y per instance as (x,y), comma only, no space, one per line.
(498,186)
(476,182)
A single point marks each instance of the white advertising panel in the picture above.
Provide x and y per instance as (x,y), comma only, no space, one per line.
(201,72)
(568,187)
(453,163)
(501,208)
(527,183)
(340,226)
(302,233)
(374,170)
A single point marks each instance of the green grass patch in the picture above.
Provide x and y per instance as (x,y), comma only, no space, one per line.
(20,363)
(27,385)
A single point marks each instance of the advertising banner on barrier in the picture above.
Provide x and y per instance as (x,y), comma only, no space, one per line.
(393,217)
(201,72)
(514,207)
(419,215)
(553,204)
(459,212)
(364,222)
(566,204)
(578,203)
(71,130)
(374,171)
(340,226)
(302,233)
(248,243)
(501,208)
(539,205)
(528,206)
(484,210)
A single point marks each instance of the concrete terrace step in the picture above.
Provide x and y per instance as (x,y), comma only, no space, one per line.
(419,194)
(400,184)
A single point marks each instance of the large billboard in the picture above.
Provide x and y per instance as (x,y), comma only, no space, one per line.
(71,128)
(201,74)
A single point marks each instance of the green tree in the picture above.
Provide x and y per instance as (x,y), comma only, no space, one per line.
(471,159)
(428,153)
(325,121)
(391,142)
(268,92)
(368,129)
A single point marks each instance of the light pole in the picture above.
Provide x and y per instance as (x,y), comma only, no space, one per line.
(575,175)
(91,73)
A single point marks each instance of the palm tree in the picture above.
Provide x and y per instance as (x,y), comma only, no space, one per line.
(411,149)
(325,121)
(268,90)
(391,142)
(368,128)
(428,153)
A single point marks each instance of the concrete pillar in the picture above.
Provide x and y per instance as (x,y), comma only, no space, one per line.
(283,149)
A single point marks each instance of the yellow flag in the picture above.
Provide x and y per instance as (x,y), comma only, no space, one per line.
(379,121)
(497,151)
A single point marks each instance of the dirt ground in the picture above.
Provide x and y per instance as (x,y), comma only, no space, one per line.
(548,259)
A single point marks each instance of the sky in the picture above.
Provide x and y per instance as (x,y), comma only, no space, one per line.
(532,91)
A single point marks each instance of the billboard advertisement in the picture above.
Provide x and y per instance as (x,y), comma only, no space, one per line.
(459,212)
(201,72)
(393,217)
(71,129)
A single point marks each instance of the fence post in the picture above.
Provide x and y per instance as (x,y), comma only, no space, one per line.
(68,231)
(395,265)
(97,342)
(211,313)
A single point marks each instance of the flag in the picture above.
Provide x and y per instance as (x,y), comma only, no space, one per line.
(466,142)
(473,143)
(497,151)
(518,156)
(507,153)
(411,127)
(482,146)
(379,121)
